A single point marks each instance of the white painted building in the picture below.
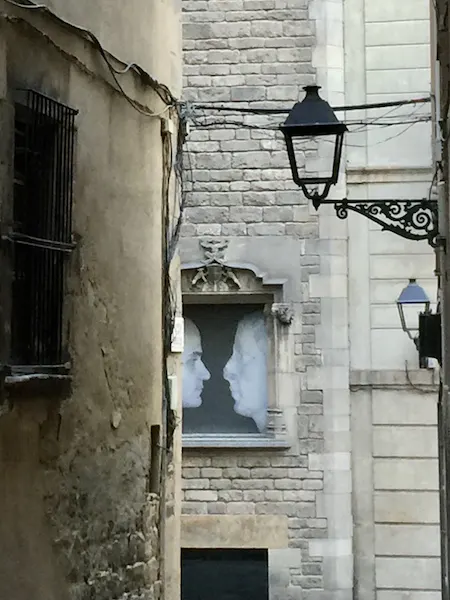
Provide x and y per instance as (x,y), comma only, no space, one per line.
(396,508)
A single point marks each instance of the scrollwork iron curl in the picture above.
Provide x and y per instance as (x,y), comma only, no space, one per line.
(422,218)
(410,219)
(394,210)
(341,210)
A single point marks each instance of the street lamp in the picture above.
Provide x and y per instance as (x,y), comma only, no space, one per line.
(412,295)
(426,332)
(313,117)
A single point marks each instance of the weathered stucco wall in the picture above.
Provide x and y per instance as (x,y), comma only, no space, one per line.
(79,518)
(141,32)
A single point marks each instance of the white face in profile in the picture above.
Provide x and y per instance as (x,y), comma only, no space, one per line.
(194,371)
(246,370)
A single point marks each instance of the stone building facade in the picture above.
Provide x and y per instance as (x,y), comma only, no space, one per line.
(331,490)
(88,452)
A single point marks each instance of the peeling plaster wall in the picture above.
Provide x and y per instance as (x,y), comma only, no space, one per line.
(78,519)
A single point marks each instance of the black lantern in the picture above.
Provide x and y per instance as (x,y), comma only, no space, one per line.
(313,117)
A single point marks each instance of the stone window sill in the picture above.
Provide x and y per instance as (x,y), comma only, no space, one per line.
(37,384)
(191,440)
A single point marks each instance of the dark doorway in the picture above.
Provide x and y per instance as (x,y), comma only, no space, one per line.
(217,574)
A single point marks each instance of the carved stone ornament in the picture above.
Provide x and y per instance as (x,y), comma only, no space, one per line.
(283,312)
(214,250)
(215,278)
(213,275)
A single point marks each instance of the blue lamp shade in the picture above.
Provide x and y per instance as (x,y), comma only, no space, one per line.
(412,294)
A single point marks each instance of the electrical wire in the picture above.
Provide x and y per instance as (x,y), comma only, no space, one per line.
(36,6)
(386,119)
(386,115)
(388,139)
(278,111)
(162,90)
(228,124)
(408,119)
(222,125)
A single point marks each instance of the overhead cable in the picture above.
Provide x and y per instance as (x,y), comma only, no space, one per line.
(161,89)
(279,111)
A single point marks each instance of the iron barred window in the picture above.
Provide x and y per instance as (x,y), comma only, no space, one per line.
(41,235)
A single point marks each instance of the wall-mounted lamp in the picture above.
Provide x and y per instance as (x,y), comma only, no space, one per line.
(426,331)
(314,118)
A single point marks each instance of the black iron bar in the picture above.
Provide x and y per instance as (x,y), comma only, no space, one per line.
(65,169)
(70,175)
(29,240)
(41,238)
(54,233)
(34,224)
(45,210)
(63,225)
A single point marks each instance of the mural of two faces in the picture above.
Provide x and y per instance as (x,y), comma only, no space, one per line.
(224,369)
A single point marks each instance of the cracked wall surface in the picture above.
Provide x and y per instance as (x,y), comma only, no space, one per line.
(80,517)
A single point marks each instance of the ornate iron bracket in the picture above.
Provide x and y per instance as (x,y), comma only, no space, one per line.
(410,219)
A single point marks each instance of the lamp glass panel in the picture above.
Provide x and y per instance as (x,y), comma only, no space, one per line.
(411,315)
(314,157)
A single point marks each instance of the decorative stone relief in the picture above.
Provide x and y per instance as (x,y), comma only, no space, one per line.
(283,312)
(215,278)
(214,250)
(213,275)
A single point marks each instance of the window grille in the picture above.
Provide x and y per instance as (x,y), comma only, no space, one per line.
(41,236)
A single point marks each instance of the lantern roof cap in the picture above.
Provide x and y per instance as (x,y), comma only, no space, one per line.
(413,293)
(313,116)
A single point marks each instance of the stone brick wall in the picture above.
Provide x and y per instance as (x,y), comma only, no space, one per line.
(250,53)
(258,53)
(261,483)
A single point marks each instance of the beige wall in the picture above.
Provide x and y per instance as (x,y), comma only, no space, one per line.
(395,479)
(77,518)
(137,31)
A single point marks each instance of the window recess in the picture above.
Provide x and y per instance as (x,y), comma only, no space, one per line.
(39,241)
